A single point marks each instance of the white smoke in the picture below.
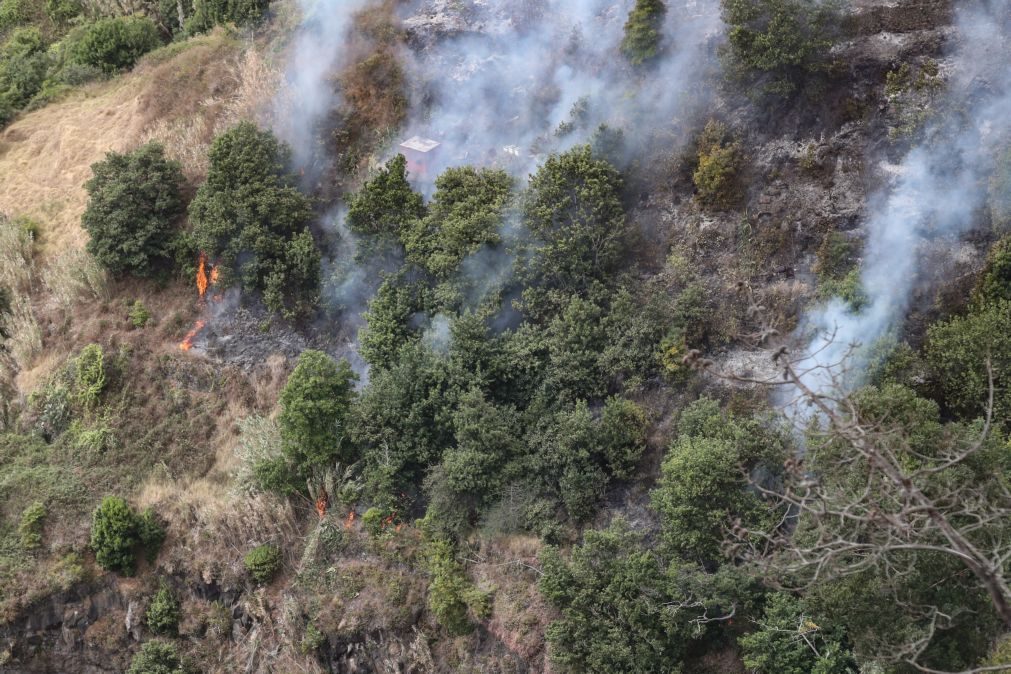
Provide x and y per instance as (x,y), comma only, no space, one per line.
(939,186)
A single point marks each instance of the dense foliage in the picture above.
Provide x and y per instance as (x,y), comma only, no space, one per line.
(134,203)
(775,46)
(251,220)
(115,43)
(263,562)
(642,31)
(157,657)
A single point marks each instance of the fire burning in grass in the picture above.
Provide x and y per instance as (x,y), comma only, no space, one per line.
(204,280)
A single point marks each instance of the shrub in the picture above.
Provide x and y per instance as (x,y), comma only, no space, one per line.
(135,201)
(451,595)
(114,535)
(157,657)
(116,43)
(642,31)
(775,45)
(163,613)
(151,533)
(30,526)
(139,315)
(89,379)
(209,13)
(14,13)
(251,220)
(263,562)
(719,161)
(61,12)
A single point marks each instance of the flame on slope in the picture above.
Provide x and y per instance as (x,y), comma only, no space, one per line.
(202,275)
(187,342)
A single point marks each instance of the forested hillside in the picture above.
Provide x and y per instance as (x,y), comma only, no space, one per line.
(505,336)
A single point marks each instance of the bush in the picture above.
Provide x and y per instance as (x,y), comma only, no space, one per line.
(158,657)
(116,43)
(114,535)
(30,526)
(139,315)
(251,220)
(209,13)
(151,533)
(89,375)
(14,13)
(452,598)
(719,161)
(135,202)
(263,562)
(163,613)
(642,31)
(61,12)
(774,46)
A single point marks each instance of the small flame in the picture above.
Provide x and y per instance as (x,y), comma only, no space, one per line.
(321,503)
(187,342)
(214,276)
(202,275)
(350,520)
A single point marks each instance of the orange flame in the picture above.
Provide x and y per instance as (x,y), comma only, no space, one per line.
(202,275)
(187,342)
(350,520)
(214,276)
(321,503)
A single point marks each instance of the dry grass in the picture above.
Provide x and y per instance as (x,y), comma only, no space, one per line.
(74,275)
(252,84)
(17,273)
(46,155)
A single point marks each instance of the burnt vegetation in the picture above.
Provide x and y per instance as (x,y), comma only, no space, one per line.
(511,419)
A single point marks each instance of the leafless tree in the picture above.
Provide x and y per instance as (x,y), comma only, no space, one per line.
(878,503)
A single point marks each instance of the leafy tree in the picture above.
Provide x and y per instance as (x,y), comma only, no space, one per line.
(788,641)
(623,609)
(135,201)
(115,43)
(472,472)
(157,657)
(622,436)
(263,562)
(465,214)
(163,613)
(995,283)
(114,535)
(702,490)
(385,204)
(642,31)
(250,219)
(314,410)
(958,351)
(22,70)
(774,46)
(404,419)
(573,211)
(388,322)
(575,339)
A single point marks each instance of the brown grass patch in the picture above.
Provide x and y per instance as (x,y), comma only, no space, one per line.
(46,155)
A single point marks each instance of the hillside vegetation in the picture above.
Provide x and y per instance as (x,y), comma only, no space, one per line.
(279,394)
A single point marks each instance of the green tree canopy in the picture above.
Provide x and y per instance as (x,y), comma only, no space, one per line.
(315,404)
(135,202)
(116,43)
(385,204)
(254,224)
(642,31)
